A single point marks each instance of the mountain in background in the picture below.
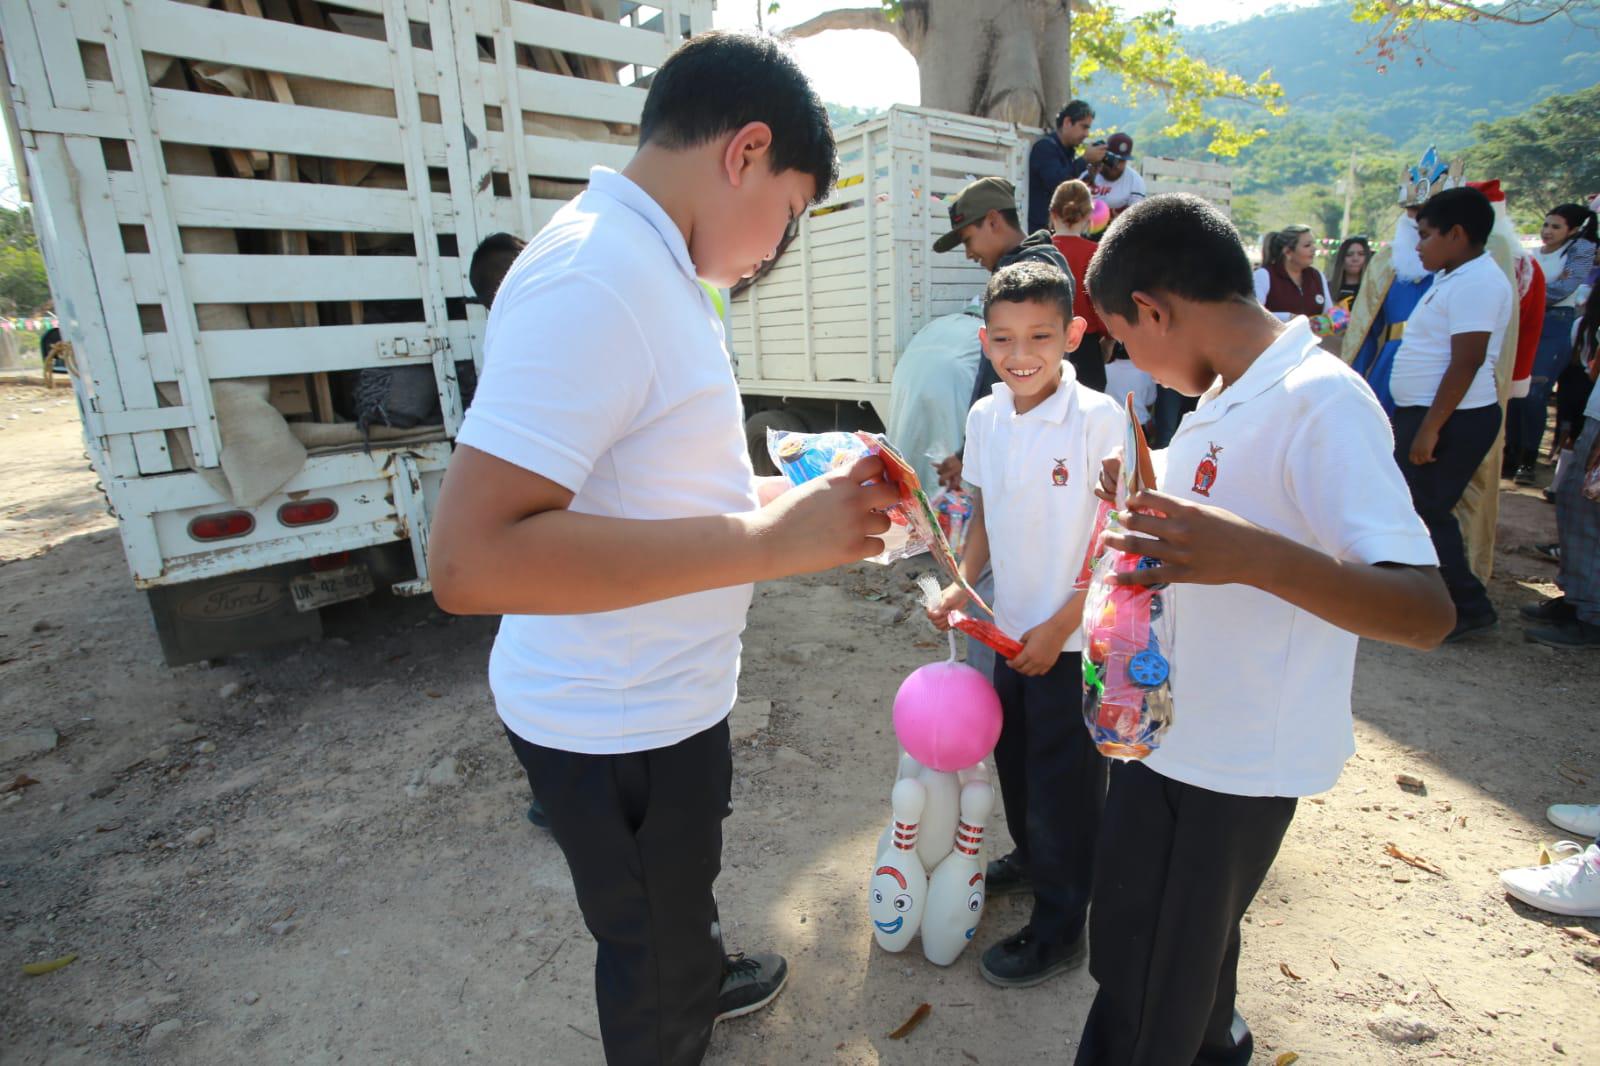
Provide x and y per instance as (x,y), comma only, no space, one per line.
(1467,74)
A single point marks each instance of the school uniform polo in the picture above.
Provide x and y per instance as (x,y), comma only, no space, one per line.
(1261,688)
(1475,297)
(605,371)
(1037,472)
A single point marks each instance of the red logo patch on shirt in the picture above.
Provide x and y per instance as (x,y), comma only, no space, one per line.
(1058,476)
(1205,474)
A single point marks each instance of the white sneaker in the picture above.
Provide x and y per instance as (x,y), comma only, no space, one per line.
(1570,887)
(1580,819)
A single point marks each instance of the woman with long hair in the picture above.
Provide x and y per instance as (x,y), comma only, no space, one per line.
(1348,266)
(1070,208)
(1566,256)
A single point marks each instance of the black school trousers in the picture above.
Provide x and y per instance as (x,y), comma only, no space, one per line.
(1053,785)
(642,833)
(1436,488)
(1176,868)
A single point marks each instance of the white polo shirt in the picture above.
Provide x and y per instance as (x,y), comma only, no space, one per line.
(605,371)
(1475,297)
(1037,472)
(1261,689)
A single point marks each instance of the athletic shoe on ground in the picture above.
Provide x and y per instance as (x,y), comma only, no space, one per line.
(1566,636)
(1556,609)
(1524,474)
(1468,624)
(1007,876)
(1550,551)
(1582,820)
(1022,960)
(750,982)
(1570,887)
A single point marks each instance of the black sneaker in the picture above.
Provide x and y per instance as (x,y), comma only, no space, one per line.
(1556,609)
(1007,876)
(1022,961)
(1524,474)
(1575,634)
(750,982)
(1468,624)
(537,816)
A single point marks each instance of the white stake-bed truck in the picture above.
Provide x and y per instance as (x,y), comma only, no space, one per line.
(257,217)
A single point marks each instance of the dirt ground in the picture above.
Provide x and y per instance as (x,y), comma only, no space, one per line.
(319,854)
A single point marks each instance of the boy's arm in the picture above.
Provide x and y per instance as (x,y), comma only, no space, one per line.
(1041,645)
(975,553)
(1467,353)
(504,542)
(1205,545)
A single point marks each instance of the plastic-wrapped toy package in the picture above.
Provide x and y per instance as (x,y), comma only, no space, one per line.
(954,509)
(1128,629)
(803,456)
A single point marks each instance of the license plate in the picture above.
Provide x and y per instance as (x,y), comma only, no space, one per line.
(311,591)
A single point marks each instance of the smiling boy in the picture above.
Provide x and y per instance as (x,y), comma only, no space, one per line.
(1033,452)
(601,499)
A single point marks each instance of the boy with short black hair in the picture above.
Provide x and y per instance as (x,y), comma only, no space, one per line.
(601,498)
(490,262)
(1284,518)
(1447,408)
(1033,450)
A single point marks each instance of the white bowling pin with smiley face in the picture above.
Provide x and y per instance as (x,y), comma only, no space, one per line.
(956,891)
(899,887)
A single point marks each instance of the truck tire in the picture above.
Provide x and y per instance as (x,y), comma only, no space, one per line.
(755,436)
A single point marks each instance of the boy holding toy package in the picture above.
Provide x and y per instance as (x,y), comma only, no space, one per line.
(601,499)
(1282,511)
(1033,451)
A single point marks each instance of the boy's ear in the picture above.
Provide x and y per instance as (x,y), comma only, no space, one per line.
(983,338)
(1153,307)
(1075,331)
(749,145)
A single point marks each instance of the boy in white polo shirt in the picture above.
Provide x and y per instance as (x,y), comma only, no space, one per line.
(1447,410)
(601,499)
(1282,514)
(1033,452)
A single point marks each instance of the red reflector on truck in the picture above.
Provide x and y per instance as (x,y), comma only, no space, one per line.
(307,512)
(222,526)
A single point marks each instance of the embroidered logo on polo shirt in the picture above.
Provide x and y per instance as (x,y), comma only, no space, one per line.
(1205,474)
(1058,476)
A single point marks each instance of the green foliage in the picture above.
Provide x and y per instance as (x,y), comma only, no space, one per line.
(1147,55)
(1543,157)
(842,115)
(24,286)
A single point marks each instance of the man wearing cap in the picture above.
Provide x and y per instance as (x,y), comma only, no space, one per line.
(1054,159)
(1114,181)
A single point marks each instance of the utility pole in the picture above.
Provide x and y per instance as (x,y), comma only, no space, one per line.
(1349,194)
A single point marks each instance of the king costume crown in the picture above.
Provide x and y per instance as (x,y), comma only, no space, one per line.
(1428,176)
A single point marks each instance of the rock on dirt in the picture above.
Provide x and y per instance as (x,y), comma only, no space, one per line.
(229,691)
(445,773)
(162,1032)
(1394,1026)
(28,742)
(199,838)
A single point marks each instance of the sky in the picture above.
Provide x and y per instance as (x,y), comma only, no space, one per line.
(856,68)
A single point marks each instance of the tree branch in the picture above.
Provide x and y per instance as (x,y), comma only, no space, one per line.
(851,18)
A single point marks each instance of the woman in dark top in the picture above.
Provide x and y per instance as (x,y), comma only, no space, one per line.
(1070,208)
(1349,264)
(1286,283)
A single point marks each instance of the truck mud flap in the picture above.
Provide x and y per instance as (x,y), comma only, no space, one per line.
(221,616)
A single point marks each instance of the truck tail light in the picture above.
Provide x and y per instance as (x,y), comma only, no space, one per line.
(223,526)
(307,512)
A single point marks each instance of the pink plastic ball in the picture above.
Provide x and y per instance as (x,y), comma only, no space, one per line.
(1099,216)
(947,716)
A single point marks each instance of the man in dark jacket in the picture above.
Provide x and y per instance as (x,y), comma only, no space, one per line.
(1054,159)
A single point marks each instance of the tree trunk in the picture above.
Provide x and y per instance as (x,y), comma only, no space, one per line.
(1004,59)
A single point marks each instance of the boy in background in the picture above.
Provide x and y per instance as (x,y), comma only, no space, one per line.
(1033,450)
(1284,517)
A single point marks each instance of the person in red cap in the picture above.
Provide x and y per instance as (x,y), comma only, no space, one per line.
(1113,180)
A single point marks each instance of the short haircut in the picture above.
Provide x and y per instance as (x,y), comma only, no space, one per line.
(1174,243)
(1012,219)
(721,81)
(490,263)
(1075,111)
(1030,282)
(1071,202)
(1465,207)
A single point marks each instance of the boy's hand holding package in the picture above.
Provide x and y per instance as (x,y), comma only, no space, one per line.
(1195,543)
(831,520)
(1041,645)
(954,598)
